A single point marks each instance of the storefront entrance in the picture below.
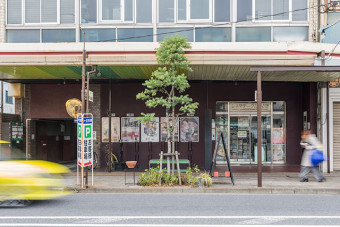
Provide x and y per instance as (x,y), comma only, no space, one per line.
(238,121)
(243,138)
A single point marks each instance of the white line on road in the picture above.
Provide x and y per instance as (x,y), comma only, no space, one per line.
(139,225)
(168,217)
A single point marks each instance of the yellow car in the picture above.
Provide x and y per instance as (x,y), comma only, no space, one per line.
(24,181)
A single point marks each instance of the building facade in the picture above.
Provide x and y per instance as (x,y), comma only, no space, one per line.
(42,48)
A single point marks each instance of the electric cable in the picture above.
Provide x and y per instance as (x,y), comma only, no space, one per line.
(214,25)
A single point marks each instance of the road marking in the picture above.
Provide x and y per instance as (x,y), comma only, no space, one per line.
(168,217)
(141,225)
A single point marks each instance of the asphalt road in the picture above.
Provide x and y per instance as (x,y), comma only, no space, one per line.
(176,210)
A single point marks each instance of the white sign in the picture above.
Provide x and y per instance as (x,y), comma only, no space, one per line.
(85,141)
(90,96)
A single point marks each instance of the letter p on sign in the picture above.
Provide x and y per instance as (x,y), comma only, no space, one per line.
(88,132)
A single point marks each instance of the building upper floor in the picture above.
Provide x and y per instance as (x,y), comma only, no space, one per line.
(44,21)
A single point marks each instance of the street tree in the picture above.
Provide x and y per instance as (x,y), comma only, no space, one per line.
(167,85)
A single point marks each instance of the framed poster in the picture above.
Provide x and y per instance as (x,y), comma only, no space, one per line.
(115,129)
(164,132)
(278,135)
(189,127)
(150,131)
(130,129)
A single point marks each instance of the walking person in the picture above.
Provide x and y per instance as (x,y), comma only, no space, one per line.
(310,143)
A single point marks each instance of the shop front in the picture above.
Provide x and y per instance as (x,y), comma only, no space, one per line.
(238,122)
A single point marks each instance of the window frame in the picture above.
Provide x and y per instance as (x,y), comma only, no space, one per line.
(175,13)
(23,14)
(230,12)
(121,20)
(290,16)
(199,20)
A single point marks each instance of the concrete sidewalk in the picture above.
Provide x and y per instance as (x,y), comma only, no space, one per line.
(272,183)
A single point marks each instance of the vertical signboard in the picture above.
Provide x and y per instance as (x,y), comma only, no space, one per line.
(85,141)
(79,139)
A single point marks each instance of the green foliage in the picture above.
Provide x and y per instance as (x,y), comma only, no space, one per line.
(153,175)
(191,179)
(166,85)
(206,179)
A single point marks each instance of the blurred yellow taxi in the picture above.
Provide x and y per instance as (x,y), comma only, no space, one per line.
(31,180)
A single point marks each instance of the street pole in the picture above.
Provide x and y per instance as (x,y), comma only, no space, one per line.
(259,131)
(110,148)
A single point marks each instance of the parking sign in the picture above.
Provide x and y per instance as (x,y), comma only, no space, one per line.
(85,140)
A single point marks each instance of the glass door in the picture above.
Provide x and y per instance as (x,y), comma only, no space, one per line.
(266,139)
(240,139)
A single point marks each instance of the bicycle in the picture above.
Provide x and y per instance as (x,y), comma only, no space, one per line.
(110,160)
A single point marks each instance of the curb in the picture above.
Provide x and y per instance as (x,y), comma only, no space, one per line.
(209,190)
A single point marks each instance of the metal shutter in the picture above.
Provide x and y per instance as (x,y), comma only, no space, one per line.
(336,136)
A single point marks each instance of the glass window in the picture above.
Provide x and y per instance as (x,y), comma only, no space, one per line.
(221,107)
(278,138)
(9,99)
(182,10)
(135,35)
(278,106)
(222,11)
(67,11)
(88,11)
(99,35)
(32,11)
(128,10)
(254,34)
(111,10)
(166,10)
(281,34)
(281,9)
(199,9)
(244,10)
(212,34)
(23,36)
(186,32)
(49,11)
(58,35)
(263,9)
(298,13)
(14,12)
(144,11)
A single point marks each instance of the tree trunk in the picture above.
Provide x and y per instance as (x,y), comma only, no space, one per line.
(168,142)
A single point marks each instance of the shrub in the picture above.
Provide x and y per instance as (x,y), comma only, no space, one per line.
(152,176)
(206,179)
(191,179)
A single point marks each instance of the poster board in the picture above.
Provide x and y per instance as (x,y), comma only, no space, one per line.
(115,129)
(164,132)
(150,131)
(189,127)
(130,129)
(220,142)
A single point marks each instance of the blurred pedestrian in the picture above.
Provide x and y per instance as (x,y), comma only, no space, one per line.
(310,143)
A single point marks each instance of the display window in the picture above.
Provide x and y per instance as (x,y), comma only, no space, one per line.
(238,123)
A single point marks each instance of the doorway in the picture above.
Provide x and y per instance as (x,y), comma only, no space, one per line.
(56,140)
(243,138)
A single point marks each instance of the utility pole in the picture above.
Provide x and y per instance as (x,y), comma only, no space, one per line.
(259,130)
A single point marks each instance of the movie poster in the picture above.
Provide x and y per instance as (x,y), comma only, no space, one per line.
(164,132)
(278,135)
(130,129)
(189,128)
(115,129)
(150,131)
